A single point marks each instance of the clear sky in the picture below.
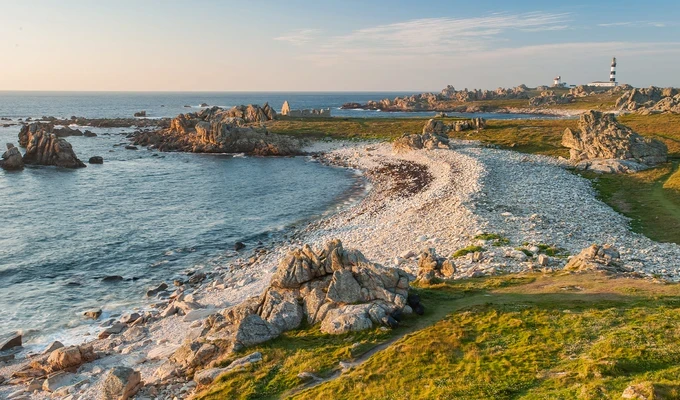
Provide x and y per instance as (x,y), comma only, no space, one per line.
(346,45)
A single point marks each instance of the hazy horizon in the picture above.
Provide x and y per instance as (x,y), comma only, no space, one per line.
(352,46)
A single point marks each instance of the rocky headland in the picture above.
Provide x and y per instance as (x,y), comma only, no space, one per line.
(216,130)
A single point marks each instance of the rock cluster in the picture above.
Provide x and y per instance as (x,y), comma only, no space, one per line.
(601,137)
(441,128)
(216,130)
(429,141)
(438,101)
(334,287)
(432,267)
(597,258)
(305,113)
(45,148)
(650,100)
(11,159)
(549,98)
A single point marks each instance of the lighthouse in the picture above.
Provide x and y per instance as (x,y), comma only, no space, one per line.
(612,77)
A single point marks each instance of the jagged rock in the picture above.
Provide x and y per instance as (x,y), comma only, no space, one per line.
(282,309)
(89,134)
(650,100)
(224,131)
(431,267)
(549,97)
(121,383)
(53,346)
(112,330)
(11,159)
(253,330)
(69,358)
(207,376)
(46,148)
(440,101)
(600,136)
(343,288)
(194,353)
(10,341)
(285,109)
(428,141)
(597,258)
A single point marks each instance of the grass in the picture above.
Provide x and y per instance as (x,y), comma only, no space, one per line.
(496,239)
(467,250)
(529,336)
(645,197)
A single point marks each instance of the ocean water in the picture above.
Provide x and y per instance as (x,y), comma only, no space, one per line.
(169,104)
(144,215)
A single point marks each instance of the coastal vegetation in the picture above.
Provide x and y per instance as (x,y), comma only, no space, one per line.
(520,336)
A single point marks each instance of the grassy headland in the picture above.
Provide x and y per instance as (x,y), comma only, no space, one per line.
(529,336)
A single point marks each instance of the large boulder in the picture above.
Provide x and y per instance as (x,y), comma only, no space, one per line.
(600,136)
(10,340)
(11,159)
(46,148)
(121,383)
(69,358)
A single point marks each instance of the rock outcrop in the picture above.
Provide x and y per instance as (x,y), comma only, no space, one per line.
(334,287)
(651,100)
(601,137)
(12,159)
(441,128)
(45,148)
(432,267)
(429,141)
(597,258)
(216,130)
(549,98)
(440,101)
(305,113)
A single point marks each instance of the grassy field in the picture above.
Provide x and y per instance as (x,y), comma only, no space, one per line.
(529,336)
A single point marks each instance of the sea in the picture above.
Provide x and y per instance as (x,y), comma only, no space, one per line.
(143,215)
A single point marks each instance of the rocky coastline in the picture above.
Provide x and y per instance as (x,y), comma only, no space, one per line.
(443,210)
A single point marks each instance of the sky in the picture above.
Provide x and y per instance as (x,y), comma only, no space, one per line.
(348,45)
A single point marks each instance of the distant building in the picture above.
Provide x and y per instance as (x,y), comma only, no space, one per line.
(612,77)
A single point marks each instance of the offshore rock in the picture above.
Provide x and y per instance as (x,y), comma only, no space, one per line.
(45,148)
(11,159)
(600,136)
(216,130)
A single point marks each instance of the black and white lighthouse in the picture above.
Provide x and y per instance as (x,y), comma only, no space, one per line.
(612,73)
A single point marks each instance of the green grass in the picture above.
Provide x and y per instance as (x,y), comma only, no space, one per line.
(495,239)
(527,336)
(467,250)
(644,197)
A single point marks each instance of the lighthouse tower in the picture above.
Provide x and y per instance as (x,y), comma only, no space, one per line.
(612,74)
